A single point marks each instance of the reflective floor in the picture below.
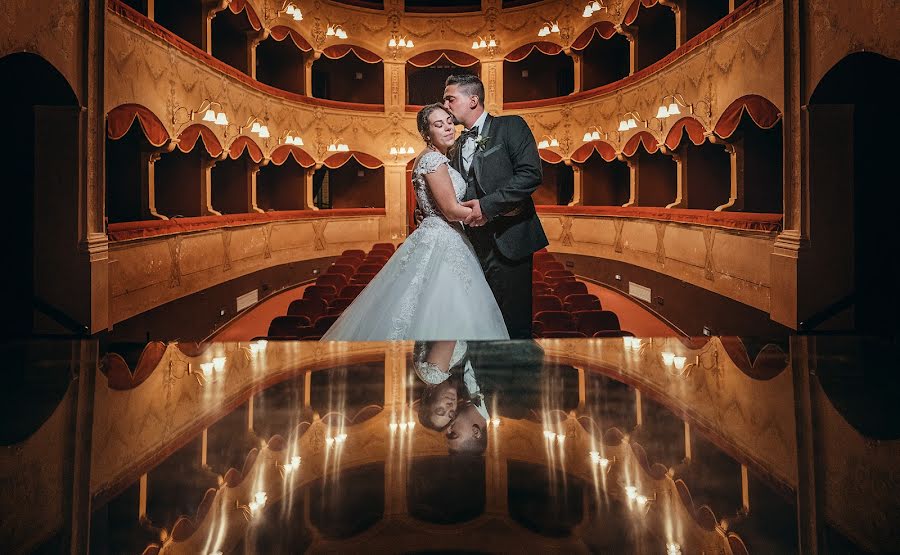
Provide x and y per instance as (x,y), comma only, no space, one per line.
(709,445)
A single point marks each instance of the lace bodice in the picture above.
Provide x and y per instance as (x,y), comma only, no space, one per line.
(428,163)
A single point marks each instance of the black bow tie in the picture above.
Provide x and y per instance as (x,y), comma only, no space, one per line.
(469,133)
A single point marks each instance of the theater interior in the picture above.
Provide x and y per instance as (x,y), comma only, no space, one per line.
(200,188)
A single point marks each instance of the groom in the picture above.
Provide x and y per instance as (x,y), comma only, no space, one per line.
(499,159)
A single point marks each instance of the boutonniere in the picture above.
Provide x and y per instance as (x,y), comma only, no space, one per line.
(481,142)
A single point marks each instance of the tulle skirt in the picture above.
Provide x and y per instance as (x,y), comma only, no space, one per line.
(432,288)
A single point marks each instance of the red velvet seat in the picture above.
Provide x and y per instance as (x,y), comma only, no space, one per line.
(351,261)
(346,270)
(540,288)
(554,282)
(613,333)
(335,280)
(566,288)
(590,322)
(287,326)
(383,247)
(361,279)
(311,308)
(355,253)
(369,268)
(550,274)
(323,323)
(340,302)
(547,266)
(324,292)
(335,311)
(563,335)
(541,303)
(536,276)
(555,320)
(582,301)
(351,291)
(543,256)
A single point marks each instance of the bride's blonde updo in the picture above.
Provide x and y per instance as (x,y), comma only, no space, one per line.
(422,119)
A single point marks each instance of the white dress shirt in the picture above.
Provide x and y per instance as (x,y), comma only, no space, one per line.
(468,148)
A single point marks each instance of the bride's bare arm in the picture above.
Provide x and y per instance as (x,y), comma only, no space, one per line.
(444,196)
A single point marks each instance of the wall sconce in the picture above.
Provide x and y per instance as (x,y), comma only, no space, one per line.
(551,436)
(489,42)
(592,7)
(258,346)
(629,121)
(292,11)
(257,126)
(256,505)
(291,138)
(673,108)
(642,500)
(400,42)
(337,146)
(336,31)
(401,151)
(209,115)
(549,27)
(402,426)
(332,441)
(594,135)
(602,462)
(547,141)
(291,466)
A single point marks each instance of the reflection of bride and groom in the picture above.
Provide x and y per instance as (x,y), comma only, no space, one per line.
(465,272)
(461,377)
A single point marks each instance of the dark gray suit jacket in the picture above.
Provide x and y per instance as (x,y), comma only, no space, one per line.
(503,175)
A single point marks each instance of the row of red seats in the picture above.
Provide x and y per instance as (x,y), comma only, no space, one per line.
(333,291)
(562,306)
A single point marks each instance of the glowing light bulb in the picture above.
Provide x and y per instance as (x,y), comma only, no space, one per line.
(554,142)
(679,362)
(392,43)
(586,138)
(221,119)
(255,127)
(635,344)
(492,43)
(627,340)
(641,500)
(409,43)
(210,115)
(393,426)
(412,425)
(219,363)
(482,44)
(668,358)
(673,548)
(475,45)
(207,368)
(674,110)
(631,123)
(623,125)
(595,6)
(330,31)
(595,136)
(631,492)
(393,151)
(662,113)
(587,12)
(402,42)
(264,132)
(555,28)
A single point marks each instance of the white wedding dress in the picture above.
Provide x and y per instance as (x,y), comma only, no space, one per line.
(432,288)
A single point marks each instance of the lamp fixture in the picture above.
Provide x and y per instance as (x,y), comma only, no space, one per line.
(592,7)
(630,121)
(482,42)
(400,42)
(401,151)
(337,146)
(257,126)
(402,426)
(209,114)
(597,459)
(549,27)
(336,31)
(291,138)
(594,135)
(291,466)
(255,505)
(547,141)
(673,548)
(331,441)
(292,11)
(674,105)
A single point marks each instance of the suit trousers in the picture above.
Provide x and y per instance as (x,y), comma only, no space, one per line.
(509,280)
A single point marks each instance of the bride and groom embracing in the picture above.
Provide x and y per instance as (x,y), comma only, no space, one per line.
(465,272)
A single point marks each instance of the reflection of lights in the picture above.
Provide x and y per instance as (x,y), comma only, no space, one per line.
(631,492)
(407,425)
(219,363)
(635,344)
(673,548)
(560,438)
(293,465)
(679,362)
(597,459)
(259,501)
(641,500)
(549,435)
(393,426)
(668,358)
(627,340)
(495,422)
(258,346)
(207,368)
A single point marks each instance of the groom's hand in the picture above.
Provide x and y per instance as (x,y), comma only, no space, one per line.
(476,218)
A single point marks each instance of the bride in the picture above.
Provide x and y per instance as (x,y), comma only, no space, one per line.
(433,287)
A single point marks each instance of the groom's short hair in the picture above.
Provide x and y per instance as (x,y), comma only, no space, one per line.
(469,84)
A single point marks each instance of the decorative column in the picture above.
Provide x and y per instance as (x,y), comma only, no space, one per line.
(681,180)
(630,33)
(394,201)
(309,202)
(578,63)
(148,183)
(492,76)
(208,164)
(151,10)
(680,20)
(735,152)
(251,193)
(633,178)
(577,184)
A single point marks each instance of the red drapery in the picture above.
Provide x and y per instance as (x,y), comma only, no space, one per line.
(606,29)
(632,12)
(281,32)
(340,50)
(695,132)
(731,220)
(548,155)
(244,142)
(641,138)
(237,6)
(120,119)
(763,113)
(339,159)
(282,153)
(582,153)
(523,51)
(189,136)
(455,57)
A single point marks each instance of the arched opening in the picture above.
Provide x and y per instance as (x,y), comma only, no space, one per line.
(762,166)
(181,177)
(41,164)
(232,34)
(655,33)
(605,183)
(185,19)
(139,6)
(349,180)
(605,55)
(537,71)
(655,174)
(281,60)
(699,15)
(549,507)
(232,184)
(281,184)
(706,173)
(434,494)
(349,74)
(350,503)
(852,192)
(558,184)
(426,74)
